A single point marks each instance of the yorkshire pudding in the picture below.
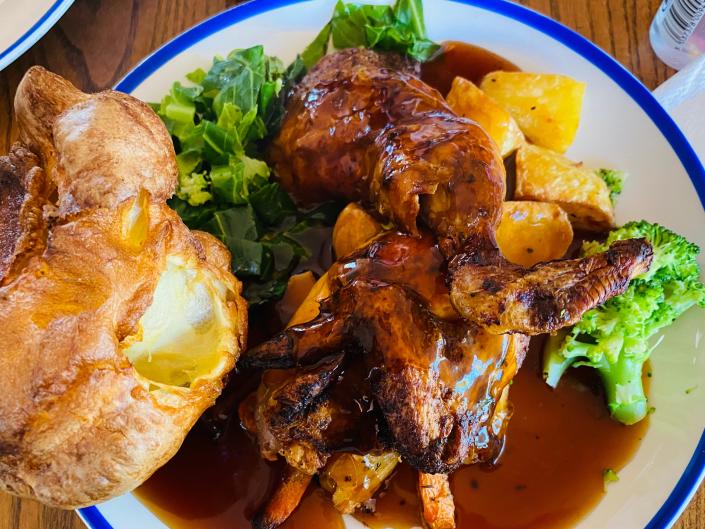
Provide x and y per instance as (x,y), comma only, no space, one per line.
(118,323)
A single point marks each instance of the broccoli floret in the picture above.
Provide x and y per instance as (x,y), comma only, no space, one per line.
(193,188)
(614,180)
(614,337)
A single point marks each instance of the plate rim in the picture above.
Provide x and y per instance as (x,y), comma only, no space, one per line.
(694,472)
(34,33)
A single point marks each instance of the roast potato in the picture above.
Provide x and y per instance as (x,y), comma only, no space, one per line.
(297,289)
(533,232)
(547,107)
(119,324)
(310,306)
(547,176)
(352,479)
(467,100)
(353,228)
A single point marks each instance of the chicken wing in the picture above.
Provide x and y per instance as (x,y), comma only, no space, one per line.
(435,382)
(548,296)
(434,377)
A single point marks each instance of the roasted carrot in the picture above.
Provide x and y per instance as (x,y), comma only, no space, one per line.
(437,506)
(284,500)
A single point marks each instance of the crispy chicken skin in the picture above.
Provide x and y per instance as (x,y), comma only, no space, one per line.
(306,413)
(293,419)
(435,380)
(360,127)
(548,296)
(87,239)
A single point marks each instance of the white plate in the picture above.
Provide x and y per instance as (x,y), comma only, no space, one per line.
(622,127)
(23,22)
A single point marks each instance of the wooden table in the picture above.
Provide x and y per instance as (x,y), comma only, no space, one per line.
(96,42)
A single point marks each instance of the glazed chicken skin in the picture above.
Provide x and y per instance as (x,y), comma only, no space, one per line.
(362,126)
(435,382)
(434,378)
(436,316)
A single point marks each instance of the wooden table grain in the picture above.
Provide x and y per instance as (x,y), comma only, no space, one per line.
(96,42)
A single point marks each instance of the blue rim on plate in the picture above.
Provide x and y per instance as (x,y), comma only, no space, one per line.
(695,470)
(34,33)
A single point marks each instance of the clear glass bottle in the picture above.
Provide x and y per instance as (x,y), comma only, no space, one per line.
(678,31)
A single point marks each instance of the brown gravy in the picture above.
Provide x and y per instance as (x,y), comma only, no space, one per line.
(549,476)
(464,60)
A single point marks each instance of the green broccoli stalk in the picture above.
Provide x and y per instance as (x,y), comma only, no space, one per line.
(554,363)
(614,337)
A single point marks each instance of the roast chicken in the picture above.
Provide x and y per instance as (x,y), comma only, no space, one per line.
(433,380)
(430,323)
(361,126)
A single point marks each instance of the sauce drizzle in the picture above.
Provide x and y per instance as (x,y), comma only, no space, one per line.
(549,476)
(558,444)
(465,60)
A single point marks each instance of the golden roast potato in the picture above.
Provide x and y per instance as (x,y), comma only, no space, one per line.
(118,323)
(467,100)
(533,232)
(547,107)
(547,176)
(353,228)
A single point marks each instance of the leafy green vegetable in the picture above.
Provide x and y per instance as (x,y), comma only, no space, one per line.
(218,126)
(399,28)
(272,204)
(217,123)
(267,237)
(273,114)
(317,48)
(614,338)
(194,217)
(614,180)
